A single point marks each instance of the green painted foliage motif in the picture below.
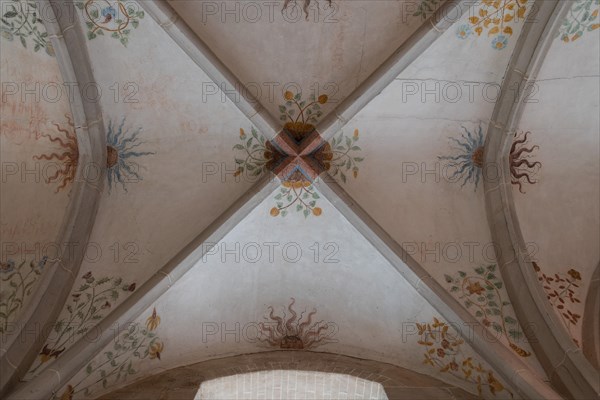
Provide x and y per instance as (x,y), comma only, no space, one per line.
(481,292)
(111,17)
(298,155)
(21,20)
(16,284)
(343,156)
(256,153)
(138,342)
(308,112)
(581,18)
(300,193)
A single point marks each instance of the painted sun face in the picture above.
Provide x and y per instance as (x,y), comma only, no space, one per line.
(467,164)
(121,164)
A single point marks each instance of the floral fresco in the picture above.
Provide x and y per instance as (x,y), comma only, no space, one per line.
(298,155)
(443,351)
(308,113)
(299,192)
(17,284)
(121,156)
(293,332)
(89,303)
(467,162)
(342,155)
(111,17)
(22,20)
(581,18)
(562,291)
(481,292)
(139,342)
(496,17)
(260,156)
(67,159)
(522,168)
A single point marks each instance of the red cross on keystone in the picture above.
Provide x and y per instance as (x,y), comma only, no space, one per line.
(298,154)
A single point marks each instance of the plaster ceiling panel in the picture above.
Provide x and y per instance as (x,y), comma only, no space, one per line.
(329,50)
(562,148)
(169,171)
(419,172)
(268,285)
(37,155)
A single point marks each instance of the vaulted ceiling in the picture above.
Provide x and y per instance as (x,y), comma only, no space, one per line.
(402,191)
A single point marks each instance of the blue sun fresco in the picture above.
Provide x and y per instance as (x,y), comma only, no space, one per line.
(467,163)
(121,158)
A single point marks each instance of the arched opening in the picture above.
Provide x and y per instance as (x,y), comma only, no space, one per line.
(290,384)
(187,382)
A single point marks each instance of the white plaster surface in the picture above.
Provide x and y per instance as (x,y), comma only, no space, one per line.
(288,384)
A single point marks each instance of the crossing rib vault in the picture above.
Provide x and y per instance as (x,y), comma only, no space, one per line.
(401,191)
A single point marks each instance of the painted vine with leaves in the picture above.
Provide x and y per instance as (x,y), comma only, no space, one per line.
(17,282)
(21,20)
(444,351)
(89,303)
(481,292)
